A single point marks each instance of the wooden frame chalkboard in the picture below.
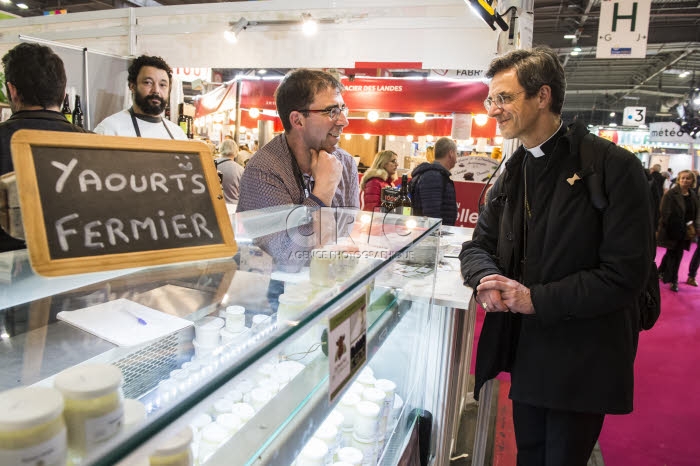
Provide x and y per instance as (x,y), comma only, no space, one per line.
(92,202)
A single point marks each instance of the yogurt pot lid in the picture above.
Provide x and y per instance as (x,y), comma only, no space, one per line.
(314,449)
(88,381)
(26,407)
(350,454)
(209,322)
(175,444)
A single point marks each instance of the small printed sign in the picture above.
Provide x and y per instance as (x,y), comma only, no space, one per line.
(347,344)
(623,28)
(634,116)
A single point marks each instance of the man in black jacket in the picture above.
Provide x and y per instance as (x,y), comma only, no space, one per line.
(432,190)
(35,82)
(559,280)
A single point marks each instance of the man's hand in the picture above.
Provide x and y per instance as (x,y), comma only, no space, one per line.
(327,171)
(511,295)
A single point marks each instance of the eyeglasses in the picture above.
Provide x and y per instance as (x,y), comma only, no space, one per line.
(332,112)
(500,100)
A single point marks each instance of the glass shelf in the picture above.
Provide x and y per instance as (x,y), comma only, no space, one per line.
(371,246)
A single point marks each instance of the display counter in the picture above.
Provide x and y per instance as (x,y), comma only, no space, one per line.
(247,373)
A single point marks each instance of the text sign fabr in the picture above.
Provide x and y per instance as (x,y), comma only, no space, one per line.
(623,28)
(92,202)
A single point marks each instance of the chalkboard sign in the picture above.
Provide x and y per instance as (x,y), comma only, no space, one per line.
(92,202)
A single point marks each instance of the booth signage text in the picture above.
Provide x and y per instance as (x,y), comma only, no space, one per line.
(92,203)
(669,131)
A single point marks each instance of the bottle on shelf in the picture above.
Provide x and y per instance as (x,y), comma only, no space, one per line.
(66,110)
(403,204)
(183,123)
(190,129)
(78,113)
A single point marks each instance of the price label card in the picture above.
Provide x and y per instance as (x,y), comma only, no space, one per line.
(347,344)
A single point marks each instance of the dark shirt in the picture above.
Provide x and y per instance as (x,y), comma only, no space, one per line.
(26,119)
(30,119)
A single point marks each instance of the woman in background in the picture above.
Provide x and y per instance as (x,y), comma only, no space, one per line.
(679,209)
(380,175)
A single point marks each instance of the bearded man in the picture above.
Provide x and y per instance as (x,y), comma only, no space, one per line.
(149,82)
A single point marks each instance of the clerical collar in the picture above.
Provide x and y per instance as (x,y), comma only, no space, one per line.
(148,118)
(537,150)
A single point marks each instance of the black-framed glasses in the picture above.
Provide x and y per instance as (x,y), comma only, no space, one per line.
(332,112)
(500,100)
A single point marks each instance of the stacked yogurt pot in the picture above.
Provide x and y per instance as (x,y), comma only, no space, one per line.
(356,431)
(230,412)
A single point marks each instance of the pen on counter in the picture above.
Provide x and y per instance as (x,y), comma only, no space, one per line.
(138,318)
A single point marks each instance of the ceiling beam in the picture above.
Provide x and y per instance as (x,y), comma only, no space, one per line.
(128,3)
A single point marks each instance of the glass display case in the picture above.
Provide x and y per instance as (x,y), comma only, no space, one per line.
(245,377)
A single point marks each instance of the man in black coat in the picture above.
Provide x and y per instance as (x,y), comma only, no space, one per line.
(432,189)
(559,280)
(35,82)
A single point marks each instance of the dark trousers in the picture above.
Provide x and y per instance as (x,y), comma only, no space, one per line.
(671,263)
(694,262)
(550,437)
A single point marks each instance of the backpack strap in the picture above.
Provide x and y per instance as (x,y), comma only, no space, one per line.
(219,162)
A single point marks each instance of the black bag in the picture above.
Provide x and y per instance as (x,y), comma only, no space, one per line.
(592,153)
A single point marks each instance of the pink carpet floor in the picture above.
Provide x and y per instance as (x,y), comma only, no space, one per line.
(664,429)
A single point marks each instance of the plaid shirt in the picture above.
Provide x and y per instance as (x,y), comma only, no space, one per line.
(269,180)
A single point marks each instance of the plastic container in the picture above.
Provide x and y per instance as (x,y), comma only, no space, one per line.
(203,353)
(243,410)
(260,321)
(175,451)
(223,406)
(347,407)
(94,410)
(336,418)
(366,378)
(230,422)
(213,436)
(314,453)
(32,430)
(207,331)
(134,414)
(322,270)
(234,396)
(349,455)
(259,397)
(369,449)
(290,307)
(366,425)
(328,434)
(235,318)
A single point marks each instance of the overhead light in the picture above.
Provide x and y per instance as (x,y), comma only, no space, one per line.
(262,71)
(420,117)
(310,26)
(612,114)
(643,126)
(367,136)
(348,136)
(22,6)
(231,34)
(612,125)
(409,138)
(577,49)
(5,1)
(481,119)
(373,115)
(569,36)
(392,137)
(429,138)
(254,113)
(574,53)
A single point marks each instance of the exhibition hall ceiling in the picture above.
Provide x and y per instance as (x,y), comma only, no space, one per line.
(596,87)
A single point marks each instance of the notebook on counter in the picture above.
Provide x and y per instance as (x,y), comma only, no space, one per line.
(124,322)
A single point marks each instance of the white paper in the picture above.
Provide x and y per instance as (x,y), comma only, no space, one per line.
(117,322)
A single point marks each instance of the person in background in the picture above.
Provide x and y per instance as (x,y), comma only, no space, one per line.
(679,209)
(35,82)
(243,155)
(303,165)
(657,190)
(560,280)
(380,175)
(149,80)
(230,170)
(432,190)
